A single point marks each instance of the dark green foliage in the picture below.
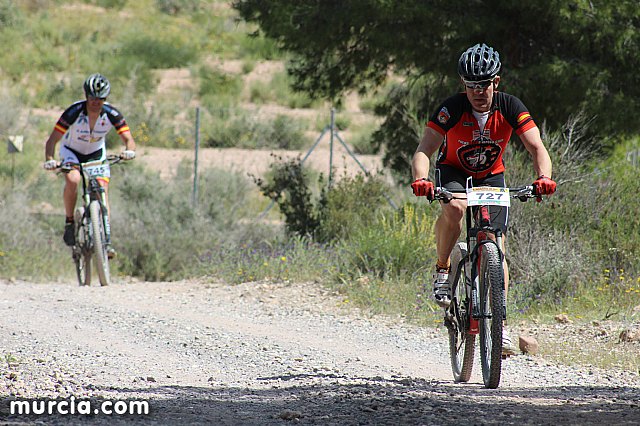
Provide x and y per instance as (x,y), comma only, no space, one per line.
(351,203)
(559,57)
(289,187)
(109,4)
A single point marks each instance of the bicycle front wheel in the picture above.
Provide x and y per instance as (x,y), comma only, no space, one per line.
(461,342)
(99,242)
(81,251)
(491,307)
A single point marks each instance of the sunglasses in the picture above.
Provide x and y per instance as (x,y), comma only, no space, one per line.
(473,85)
(94,98)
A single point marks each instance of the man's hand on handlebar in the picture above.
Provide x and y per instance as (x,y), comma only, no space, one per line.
(543,186)
(50,165)
(128,155)
(423,188)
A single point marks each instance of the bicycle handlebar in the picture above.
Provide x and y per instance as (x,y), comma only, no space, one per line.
(523,193)
(111,158)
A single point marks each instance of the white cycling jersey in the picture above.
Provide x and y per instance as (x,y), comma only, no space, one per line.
(78,136)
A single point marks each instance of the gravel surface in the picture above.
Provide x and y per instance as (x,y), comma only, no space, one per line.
(259,353)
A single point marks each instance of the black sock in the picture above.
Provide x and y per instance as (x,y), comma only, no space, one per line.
(69,220)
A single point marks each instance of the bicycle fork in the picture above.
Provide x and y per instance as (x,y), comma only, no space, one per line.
(105,218)
(477,312)
(100,196)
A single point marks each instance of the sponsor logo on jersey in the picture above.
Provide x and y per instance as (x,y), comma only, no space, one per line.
(481,154)
(479,158)
(467,124)
(443,115)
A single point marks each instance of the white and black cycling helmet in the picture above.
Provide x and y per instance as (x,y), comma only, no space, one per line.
(479,63)
(97,86)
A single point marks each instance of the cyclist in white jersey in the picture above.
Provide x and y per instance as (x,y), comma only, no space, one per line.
(83,127)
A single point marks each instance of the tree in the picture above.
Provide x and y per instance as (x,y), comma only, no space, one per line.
(559,56)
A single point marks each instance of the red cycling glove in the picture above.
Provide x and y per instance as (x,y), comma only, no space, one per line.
(544,186)
(423,188)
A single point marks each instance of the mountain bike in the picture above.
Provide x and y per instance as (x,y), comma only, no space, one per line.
(91,221)
(478,288)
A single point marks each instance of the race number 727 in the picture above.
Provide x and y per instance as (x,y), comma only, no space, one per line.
(488,196)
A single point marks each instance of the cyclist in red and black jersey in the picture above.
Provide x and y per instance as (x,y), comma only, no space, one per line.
(83,128)
(471,131)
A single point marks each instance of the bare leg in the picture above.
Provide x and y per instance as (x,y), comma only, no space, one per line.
(448,228)
(70,193)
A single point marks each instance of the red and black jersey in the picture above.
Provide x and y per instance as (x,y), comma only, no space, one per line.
(478,153)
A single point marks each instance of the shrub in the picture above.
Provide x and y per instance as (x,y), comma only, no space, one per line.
(176,7)
(165,234)
(351,203)
(31,244)
(166,51)
(289,187)
(236,129)
(390,246)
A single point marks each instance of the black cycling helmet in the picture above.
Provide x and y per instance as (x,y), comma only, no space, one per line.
(479,63)
(97,86)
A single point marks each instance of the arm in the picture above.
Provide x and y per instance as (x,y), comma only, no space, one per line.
(430,143)
(127,139)
(50,145)
(533,144)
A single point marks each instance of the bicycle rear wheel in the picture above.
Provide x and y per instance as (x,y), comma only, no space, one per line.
(81,253)
(491,307)
(99,242)
(461,342)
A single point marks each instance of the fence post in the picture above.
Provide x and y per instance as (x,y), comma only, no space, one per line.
(333,130)
(194,198)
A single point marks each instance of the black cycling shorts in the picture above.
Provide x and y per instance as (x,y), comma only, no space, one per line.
(456,180)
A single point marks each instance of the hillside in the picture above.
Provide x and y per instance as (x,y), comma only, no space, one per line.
(165,59)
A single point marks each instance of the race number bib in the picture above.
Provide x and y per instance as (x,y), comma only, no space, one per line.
(99,170)
(488,196)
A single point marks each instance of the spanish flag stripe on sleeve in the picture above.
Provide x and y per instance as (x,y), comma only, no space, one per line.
(123,129)
(523,116)
(60,128)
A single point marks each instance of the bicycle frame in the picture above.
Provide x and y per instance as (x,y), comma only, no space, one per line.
(478,234)
(478,304)
(93,229)
(92,190)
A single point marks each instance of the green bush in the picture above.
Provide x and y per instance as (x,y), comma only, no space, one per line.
(10,14)
(390,246)
(156,227)
(289,186)
(351,203)
(176,7)
(160,51)
(254,258)
(108,4)
(243,131)
(214,83)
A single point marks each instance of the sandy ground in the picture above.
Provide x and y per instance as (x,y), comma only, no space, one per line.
(256,162)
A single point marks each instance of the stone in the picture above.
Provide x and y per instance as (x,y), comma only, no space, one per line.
(528,344)
(563,319)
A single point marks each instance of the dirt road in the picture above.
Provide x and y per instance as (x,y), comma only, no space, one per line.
(207,353)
